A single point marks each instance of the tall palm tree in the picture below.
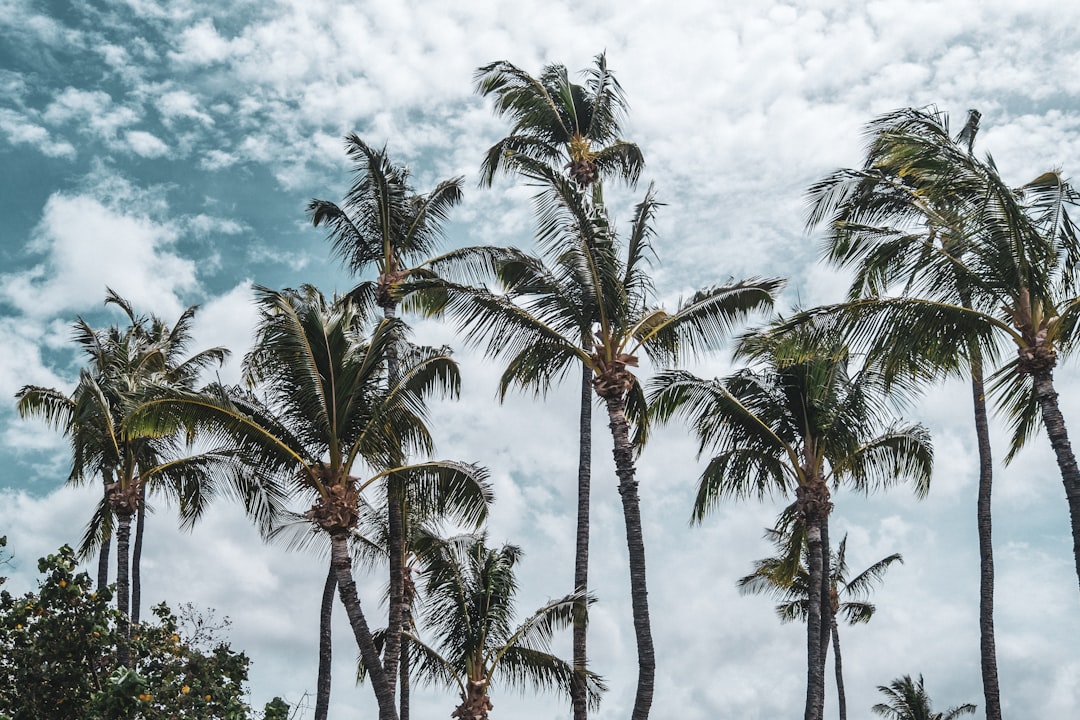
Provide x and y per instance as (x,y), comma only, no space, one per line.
(127,367)
(785,578)
(873,221)
(907,700)
(537,323)
(1012,282)
(799,422)
(330,407)
(468,606)
(384,224)
(566,127)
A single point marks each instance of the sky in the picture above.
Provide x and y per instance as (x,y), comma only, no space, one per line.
(168,151)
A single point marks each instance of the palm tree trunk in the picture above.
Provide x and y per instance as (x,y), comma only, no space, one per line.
(103,563)
(987,645)
(395,542)
(106,541)
(815,676)
(123,537)
(1059,440)
(322,691)
(841,698)
(342,565)
(826,603)
(578,694)
(136,557)
(403,670)
(639,596)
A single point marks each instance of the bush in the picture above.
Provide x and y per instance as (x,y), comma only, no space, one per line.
(58,650)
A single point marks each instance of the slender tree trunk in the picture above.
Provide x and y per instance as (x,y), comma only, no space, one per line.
(841,698)
(1059,440)
(815,677)
(123,537)
(987,644)
(403,668)
(578,689)
(826,603)
(342,565)
(395,541)
(322,692)
(103,563)
(136,557)
(106,541)
(639,594)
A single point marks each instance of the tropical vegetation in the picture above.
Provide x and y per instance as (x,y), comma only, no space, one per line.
(799,422)
(329,441)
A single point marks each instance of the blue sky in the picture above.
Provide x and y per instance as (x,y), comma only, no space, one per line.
(167,150)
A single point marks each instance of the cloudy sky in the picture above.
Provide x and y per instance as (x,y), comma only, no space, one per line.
(167,150)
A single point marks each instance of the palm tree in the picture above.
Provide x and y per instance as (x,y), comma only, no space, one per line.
(384,224)
(873,221)
(907,700)
(330,406)
(1003,274)
(537,323)
(126,369)
(559,123)
(786,579)
(462,498)
(468,606)
(573,127)
(798,423)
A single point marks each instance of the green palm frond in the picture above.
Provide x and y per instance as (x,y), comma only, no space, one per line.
(704,320)
(901,453)
(445,489)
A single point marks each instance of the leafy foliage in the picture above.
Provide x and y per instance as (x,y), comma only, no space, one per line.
(58,659)
(907,700)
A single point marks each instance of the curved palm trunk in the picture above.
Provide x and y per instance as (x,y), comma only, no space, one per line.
(639,596)
(987,645)
(815,665)
(322,692)
(578,694)
(123,537)
(1059,440)
(136,557)
(841,698)
(342,566)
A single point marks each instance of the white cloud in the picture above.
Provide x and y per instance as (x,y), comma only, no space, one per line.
(203,45)
(89,245)
(146,144)
(217,160)
(227,321)
(20,130)
(182,104)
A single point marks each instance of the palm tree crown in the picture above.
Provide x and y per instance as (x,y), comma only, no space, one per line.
(383,223)
(559,123)
(906,699)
